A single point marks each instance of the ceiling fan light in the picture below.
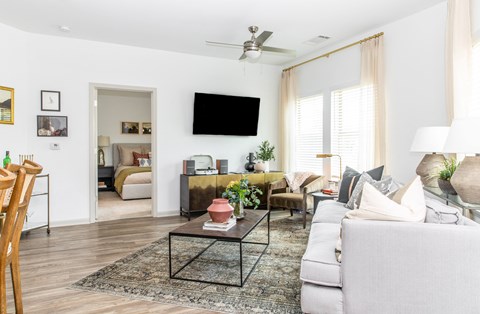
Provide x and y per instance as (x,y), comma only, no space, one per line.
(253,54)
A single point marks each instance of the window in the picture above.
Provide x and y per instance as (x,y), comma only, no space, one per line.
(309,134)
(474,110)
(353,117)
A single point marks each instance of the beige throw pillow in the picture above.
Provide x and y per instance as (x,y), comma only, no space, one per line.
(126,154)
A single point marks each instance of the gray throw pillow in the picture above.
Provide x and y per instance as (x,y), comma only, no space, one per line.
(350,178)
(381,185)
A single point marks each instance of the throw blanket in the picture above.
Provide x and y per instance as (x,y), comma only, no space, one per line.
(296,179)
(125,173)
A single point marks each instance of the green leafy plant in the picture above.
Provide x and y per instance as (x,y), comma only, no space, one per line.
(265,151)
(449,167)
(239,191)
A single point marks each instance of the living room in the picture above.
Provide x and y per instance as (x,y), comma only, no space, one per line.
(44,58)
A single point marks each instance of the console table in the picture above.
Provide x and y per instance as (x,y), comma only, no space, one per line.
(197,192)
(468,210)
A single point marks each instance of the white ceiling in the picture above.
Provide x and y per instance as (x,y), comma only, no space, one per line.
(185,25)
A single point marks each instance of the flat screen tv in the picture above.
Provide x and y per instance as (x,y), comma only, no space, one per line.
(225,115)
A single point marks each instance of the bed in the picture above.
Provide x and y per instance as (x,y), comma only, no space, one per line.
(132,182)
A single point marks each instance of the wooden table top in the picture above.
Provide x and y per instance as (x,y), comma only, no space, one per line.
(238,232)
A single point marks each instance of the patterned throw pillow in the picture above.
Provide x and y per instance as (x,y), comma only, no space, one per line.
(144,162)
(381,185)
(136,156)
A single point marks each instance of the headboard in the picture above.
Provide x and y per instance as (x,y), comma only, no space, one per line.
(116,154)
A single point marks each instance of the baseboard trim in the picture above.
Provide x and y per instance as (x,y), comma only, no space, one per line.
(72,222)
(168,213)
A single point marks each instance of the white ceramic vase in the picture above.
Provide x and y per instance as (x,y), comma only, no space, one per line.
(262,166)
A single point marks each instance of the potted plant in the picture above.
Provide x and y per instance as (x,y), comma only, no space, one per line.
(445,174)
(264,155)
(239,194)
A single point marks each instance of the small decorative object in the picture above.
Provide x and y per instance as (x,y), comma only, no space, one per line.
(445,174)
(249,166)
(6,160)
(52,126)
(103,141)
(50,100)
(220,210)
(264,155)
(130,127)
(240,194)
(6,105)
(146,128)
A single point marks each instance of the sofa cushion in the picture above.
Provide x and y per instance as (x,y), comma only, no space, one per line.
(321,299)
(319,264)
(329,211)
(287,200)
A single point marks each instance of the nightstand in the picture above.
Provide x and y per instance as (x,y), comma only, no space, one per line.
(105,176)
(319,196)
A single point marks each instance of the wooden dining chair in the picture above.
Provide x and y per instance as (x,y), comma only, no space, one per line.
(31,170)
(11,187)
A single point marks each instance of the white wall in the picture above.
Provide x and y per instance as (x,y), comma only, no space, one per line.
(115,107)
(69,65)
(414,80)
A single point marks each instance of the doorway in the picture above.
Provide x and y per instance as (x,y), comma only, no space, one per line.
(121,116)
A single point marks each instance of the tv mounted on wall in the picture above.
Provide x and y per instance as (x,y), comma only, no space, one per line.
(225,114)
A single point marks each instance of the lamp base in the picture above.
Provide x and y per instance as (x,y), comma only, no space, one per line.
(101,157)
(465,180)
(428,169)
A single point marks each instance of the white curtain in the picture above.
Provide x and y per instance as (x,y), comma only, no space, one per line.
(288,98)
(458,59)
(372,75)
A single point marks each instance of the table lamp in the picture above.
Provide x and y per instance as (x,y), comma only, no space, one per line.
(463,138)
(330,156)
(430,140)
(103,141)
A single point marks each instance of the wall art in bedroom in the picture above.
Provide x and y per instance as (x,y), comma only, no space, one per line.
(146,128)
(52,126)
(50,100)
(6,105)
(130,127)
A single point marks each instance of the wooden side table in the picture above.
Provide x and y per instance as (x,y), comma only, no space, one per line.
(320,196)
(105,174)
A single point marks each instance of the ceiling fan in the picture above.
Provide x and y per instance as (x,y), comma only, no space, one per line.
(253,48)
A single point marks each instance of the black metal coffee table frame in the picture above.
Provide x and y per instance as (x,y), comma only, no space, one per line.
(223,236)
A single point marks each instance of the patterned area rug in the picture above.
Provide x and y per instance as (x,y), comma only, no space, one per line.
(273,286)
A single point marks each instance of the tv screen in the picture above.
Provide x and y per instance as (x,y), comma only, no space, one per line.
(225,115)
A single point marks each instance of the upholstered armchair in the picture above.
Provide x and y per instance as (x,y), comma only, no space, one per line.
(302,200)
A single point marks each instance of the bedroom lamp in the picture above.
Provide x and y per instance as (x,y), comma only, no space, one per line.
(103,141)
(330,156)
(463,138)
(430,140)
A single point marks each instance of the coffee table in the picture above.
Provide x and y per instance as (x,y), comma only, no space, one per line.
(237,233)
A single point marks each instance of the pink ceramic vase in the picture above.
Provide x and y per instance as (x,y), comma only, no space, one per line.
(220,210)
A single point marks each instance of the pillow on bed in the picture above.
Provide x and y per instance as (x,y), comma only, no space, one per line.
(144,162)
(125,154)
(136,156)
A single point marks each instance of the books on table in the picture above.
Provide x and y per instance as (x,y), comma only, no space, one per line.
(219,226)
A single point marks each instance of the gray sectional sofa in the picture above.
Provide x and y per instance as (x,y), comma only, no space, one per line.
(390,267)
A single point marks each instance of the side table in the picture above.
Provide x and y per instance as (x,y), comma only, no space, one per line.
(105,175)
(320,196)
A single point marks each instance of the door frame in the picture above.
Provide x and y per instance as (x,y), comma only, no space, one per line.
(93,148)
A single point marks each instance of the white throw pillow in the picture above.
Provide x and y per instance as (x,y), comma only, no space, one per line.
(408,204)
(144,162)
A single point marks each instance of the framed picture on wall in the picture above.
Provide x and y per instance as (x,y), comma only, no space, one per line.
(146,128)
(52,126)
(50,100)
(6,105)
(130,127)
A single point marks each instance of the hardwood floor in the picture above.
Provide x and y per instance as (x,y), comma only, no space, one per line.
(50,264)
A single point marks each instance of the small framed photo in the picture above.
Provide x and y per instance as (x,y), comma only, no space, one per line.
(6,105)
(50,100)
(52,126)
(130,127)
(146,128)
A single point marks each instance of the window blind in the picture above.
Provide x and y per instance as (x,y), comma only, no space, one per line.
(353,119)
(309,134)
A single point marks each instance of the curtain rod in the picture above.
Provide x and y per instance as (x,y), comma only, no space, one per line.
(334,51)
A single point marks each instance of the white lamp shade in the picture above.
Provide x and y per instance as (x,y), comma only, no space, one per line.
(430,139)
(103,141)
(253,54)
(464,136)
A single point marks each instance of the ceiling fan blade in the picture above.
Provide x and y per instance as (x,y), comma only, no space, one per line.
(214,43)
(280,50)
(243,56)
(263,37)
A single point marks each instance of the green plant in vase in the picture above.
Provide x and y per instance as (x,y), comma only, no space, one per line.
(445,174)
(240,194)
(264,155)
